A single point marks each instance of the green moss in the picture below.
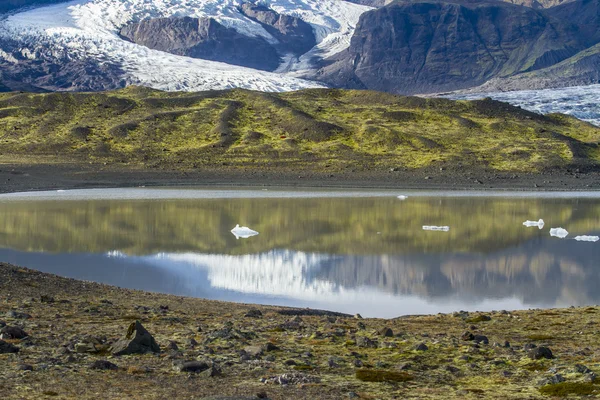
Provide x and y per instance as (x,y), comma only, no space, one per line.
(303,367)
(370,375)
(569,388)
(540,337)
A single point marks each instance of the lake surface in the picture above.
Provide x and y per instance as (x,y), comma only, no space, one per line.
(352,251)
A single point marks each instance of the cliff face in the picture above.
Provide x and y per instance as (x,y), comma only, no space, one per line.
(430,46)
(203,38)
(293,34)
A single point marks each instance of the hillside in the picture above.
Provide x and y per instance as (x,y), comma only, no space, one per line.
(317,129)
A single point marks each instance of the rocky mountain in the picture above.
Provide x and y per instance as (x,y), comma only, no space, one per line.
(203,38)
(293,34)
(429,46)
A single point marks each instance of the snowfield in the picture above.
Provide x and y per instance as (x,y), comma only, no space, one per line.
(88,29)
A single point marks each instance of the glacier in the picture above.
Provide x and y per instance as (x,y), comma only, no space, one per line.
(88,29)
(578,101)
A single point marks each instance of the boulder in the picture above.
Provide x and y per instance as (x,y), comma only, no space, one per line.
(137,341)
(103,365)
(540,352)
(192,366)
(6,348)
(12,332)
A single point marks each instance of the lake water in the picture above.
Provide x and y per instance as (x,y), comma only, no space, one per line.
(350,251)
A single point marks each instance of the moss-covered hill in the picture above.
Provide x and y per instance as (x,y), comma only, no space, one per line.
(308,129)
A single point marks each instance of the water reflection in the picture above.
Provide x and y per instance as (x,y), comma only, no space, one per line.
(321,252)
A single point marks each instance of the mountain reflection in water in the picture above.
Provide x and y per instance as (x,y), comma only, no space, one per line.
(320,252)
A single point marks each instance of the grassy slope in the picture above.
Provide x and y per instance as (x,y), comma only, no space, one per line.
(308,129)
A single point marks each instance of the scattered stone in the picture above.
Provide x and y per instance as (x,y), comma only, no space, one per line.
(290,362)
(332,362)
(291,379)
(529,346)
(506,374)
(25,367)
(6,348)
(590,377)
(405,366)
(558,378)
(386,332)
(46,299)
(271,347)
(358,316)
(540,352)
(211,372)
(254,351)
(421,347)
(103,365)
(137,341)
(85,348)
(582,369)
(172,346)
(191,343)
(481,339)
(253,313)
(467,336)
(2,324)
(17,315)
(358,363)
(361,326)
(363,341)
(191,366)
(452,369)
(12,332)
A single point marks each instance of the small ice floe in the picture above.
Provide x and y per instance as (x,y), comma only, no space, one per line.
(559,232)
(243,232)
(436,228)
(539,223)
(585,238)
(402,197)
(60,191)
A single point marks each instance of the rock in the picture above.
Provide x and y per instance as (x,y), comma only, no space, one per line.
(253,313)
(363,341)
(467,336)
(481,339)
(421,347)
(254,351)
(12,332)
(529,346)
(361,326)
(191,343)
(137,341)
(103,365)
(6,348)
(358,316)
(558,378)
(357,363)
(203,38)
(540,352)
(331,361)
(290,362)
(452,369)
(590,377)
(386,332)
(172,346)
(46,299)
(191,366)
(25,367)
(2,324)
(291,379)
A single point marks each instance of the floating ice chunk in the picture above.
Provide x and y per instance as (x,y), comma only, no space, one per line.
(243,232)
(60,191)
(539,224)
(585,238)
(559,232)
(402,197)
(436,228)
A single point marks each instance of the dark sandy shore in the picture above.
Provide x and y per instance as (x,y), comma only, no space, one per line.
(64,339)
(27,177)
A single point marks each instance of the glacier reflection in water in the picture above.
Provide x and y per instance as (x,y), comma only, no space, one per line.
(351,254)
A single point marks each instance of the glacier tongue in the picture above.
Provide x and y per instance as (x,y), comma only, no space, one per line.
(88,29)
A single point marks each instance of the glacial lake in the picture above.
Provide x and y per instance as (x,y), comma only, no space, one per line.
(353,251)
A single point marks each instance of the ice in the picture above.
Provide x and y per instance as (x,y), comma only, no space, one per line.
(88,29)
(243,232)
(585,238)
(559,232)
(436,228)
(402,197)
(539,223)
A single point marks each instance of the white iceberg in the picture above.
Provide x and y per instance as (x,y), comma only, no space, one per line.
(539,223)
(243,232)
(436,228)
(402,197)
(559,232)
(586,238)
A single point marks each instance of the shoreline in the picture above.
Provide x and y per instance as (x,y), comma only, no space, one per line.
(243,351)
(16,177)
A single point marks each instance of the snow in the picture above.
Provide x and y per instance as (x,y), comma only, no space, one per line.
(402,197)
(436,228)
(85,29)
(585,238)
(539,223)
(243,232)
(559,232)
